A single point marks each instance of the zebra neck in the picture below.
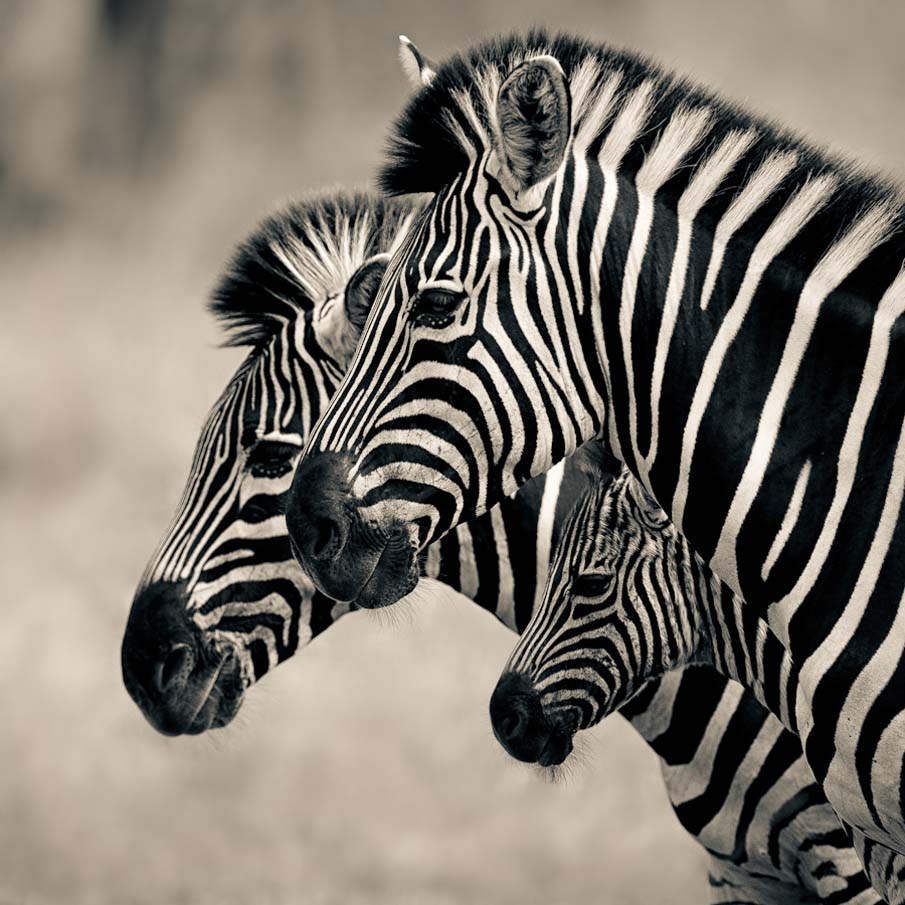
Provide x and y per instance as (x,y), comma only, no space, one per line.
(703,296)
(741,646)
(501,559)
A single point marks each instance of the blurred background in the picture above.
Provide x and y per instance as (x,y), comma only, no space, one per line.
(140,140)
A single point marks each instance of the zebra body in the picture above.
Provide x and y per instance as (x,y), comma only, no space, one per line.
(223,582)
(609,249)
(739,784)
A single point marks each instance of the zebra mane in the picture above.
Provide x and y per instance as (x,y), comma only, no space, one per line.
(447,123)
(299,256)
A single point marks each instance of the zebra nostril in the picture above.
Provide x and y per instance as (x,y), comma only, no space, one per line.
(175,668)
(510,725)
(326,539)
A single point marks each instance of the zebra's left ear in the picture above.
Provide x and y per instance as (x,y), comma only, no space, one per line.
(533,121)
(361,290)
(418,69)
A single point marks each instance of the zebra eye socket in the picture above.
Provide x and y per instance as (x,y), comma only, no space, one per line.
(260,508)
(271,458)
(591,585)
(436,307)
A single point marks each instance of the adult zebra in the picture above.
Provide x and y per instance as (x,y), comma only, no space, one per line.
(609,246)
(223,591)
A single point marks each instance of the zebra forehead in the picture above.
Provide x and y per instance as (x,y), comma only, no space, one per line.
(301,255)
(608,525)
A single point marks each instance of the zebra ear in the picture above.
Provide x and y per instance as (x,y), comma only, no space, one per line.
(649,509)
(361,290)
(533,121)
(419,70)
(596,461)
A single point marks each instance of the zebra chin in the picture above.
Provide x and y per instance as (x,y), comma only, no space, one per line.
(524,727)
(181,679)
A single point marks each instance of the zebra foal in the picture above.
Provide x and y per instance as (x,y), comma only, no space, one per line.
(628,600)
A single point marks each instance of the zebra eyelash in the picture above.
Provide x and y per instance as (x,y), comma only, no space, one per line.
(436,307)
(271,458)
(592,585)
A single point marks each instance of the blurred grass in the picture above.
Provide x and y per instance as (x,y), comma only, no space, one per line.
(365,771)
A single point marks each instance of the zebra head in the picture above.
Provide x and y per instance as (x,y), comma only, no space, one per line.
(615,614)
(466,383)
(222,601)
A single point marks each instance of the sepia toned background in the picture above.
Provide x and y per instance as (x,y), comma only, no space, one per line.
(140,139)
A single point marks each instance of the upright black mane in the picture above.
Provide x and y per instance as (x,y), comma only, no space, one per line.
(299,256)
(445,122)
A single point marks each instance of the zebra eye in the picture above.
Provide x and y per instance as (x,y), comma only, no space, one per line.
(591,586)
(271,458)
(436,308)
(260,508)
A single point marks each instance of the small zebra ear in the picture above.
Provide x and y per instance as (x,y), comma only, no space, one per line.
(649,509)
(419,70)
(361,290)
(533,121)
(597,462)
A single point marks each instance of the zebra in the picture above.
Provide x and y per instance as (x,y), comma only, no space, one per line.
(627,601)
(610,250)
(223,583)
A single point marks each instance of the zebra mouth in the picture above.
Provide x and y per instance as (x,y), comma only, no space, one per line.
(556,749)
(394,575)
(220,699)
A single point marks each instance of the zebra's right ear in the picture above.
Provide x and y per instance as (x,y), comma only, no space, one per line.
(533,122)
(361,290)
(418,69)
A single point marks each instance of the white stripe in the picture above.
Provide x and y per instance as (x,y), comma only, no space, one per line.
(683,132)
(889,310)
(700,190)
(546,522)
(468,572)
(505,597)
(756,191)
(789,520)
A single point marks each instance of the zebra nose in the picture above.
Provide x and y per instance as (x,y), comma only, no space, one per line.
(324,538)
(517,717)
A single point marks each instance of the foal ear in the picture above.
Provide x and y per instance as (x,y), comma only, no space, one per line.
(649,509)
(418,69)
(533,121)
(361,290)
(596,461)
